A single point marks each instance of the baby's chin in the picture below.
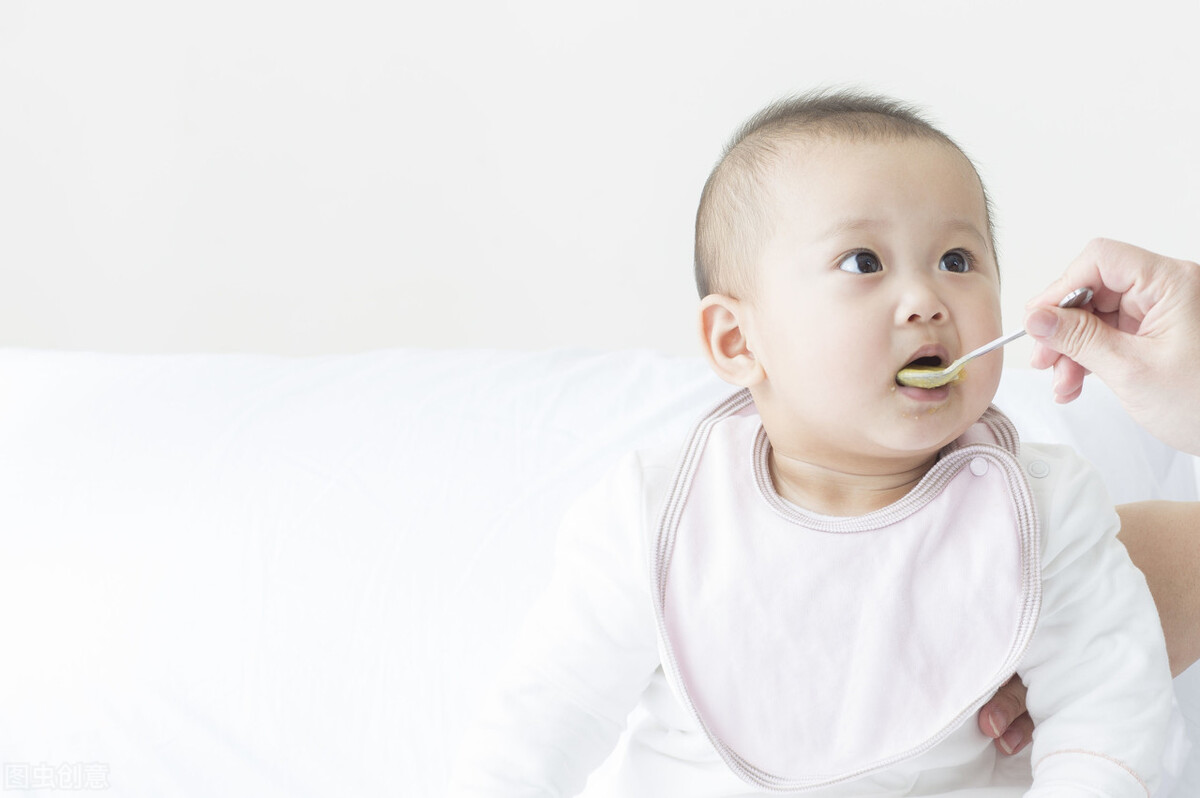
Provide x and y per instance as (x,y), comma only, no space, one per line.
(932,427)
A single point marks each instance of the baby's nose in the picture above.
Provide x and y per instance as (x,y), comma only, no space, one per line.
(918,300)
(933,315)
(920,306)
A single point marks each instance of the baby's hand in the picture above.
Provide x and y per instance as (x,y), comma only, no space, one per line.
(1004,718)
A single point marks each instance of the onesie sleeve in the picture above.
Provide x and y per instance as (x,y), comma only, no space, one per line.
(585,655)
(1099,683)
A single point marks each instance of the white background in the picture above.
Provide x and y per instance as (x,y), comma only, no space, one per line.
(304,178)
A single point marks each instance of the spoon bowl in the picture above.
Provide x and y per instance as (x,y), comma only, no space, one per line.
(935,377)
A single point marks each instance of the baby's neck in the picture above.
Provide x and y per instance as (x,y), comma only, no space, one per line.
(830,491)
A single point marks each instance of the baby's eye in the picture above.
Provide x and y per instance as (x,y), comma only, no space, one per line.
(955,261)
(860,263)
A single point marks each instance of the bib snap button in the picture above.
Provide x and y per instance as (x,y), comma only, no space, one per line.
(1039,469)
(979,466)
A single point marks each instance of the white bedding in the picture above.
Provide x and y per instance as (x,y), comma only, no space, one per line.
(252,575)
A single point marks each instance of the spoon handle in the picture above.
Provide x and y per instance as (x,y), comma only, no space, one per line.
(988,347)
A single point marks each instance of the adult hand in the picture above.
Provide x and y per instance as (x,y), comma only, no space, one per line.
(1140,334)
(1004,718)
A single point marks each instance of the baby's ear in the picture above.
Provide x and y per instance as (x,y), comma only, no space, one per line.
(723,335)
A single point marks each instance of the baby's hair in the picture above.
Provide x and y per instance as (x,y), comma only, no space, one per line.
(733,216)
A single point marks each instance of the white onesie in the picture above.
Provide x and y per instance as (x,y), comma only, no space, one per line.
(770,650)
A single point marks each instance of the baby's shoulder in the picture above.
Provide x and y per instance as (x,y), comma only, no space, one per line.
(1053,468)
(1073,507)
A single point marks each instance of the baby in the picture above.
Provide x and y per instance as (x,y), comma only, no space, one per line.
(823,584)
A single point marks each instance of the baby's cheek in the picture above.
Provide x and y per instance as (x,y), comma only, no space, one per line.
(986,380)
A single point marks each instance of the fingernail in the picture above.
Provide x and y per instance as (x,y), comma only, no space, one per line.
(998,721)
(1011,741)
(1041,323)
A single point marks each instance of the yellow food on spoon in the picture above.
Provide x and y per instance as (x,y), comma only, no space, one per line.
(928,376)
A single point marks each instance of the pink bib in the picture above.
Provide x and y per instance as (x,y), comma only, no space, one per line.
(814,650)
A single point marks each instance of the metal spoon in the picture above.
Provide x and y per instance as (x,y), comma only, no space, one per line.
(934,377)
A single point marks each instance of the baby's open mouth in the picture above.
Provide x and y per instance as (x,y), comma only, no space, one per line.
(928,372)
(927,363)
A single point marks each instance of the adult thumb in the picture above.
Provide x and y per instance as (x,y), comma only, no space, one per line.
(1079,335)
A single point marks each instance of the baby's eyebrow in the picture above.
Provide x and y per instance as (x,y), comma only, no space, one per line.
(858,225)
(844,226)
(961,226)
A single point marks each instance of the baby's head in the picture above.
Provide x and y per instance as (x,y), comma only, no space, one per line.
(840,238)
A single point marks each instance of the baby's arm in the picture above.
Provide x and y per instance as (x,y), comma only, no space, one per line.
(1099,683)
(585,655)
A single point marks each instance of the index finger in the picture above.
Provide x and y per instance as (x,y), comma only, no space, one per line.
(1121,275)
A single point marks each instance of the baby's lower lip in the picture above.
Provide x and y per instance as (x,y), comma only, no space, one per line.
(924,394)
